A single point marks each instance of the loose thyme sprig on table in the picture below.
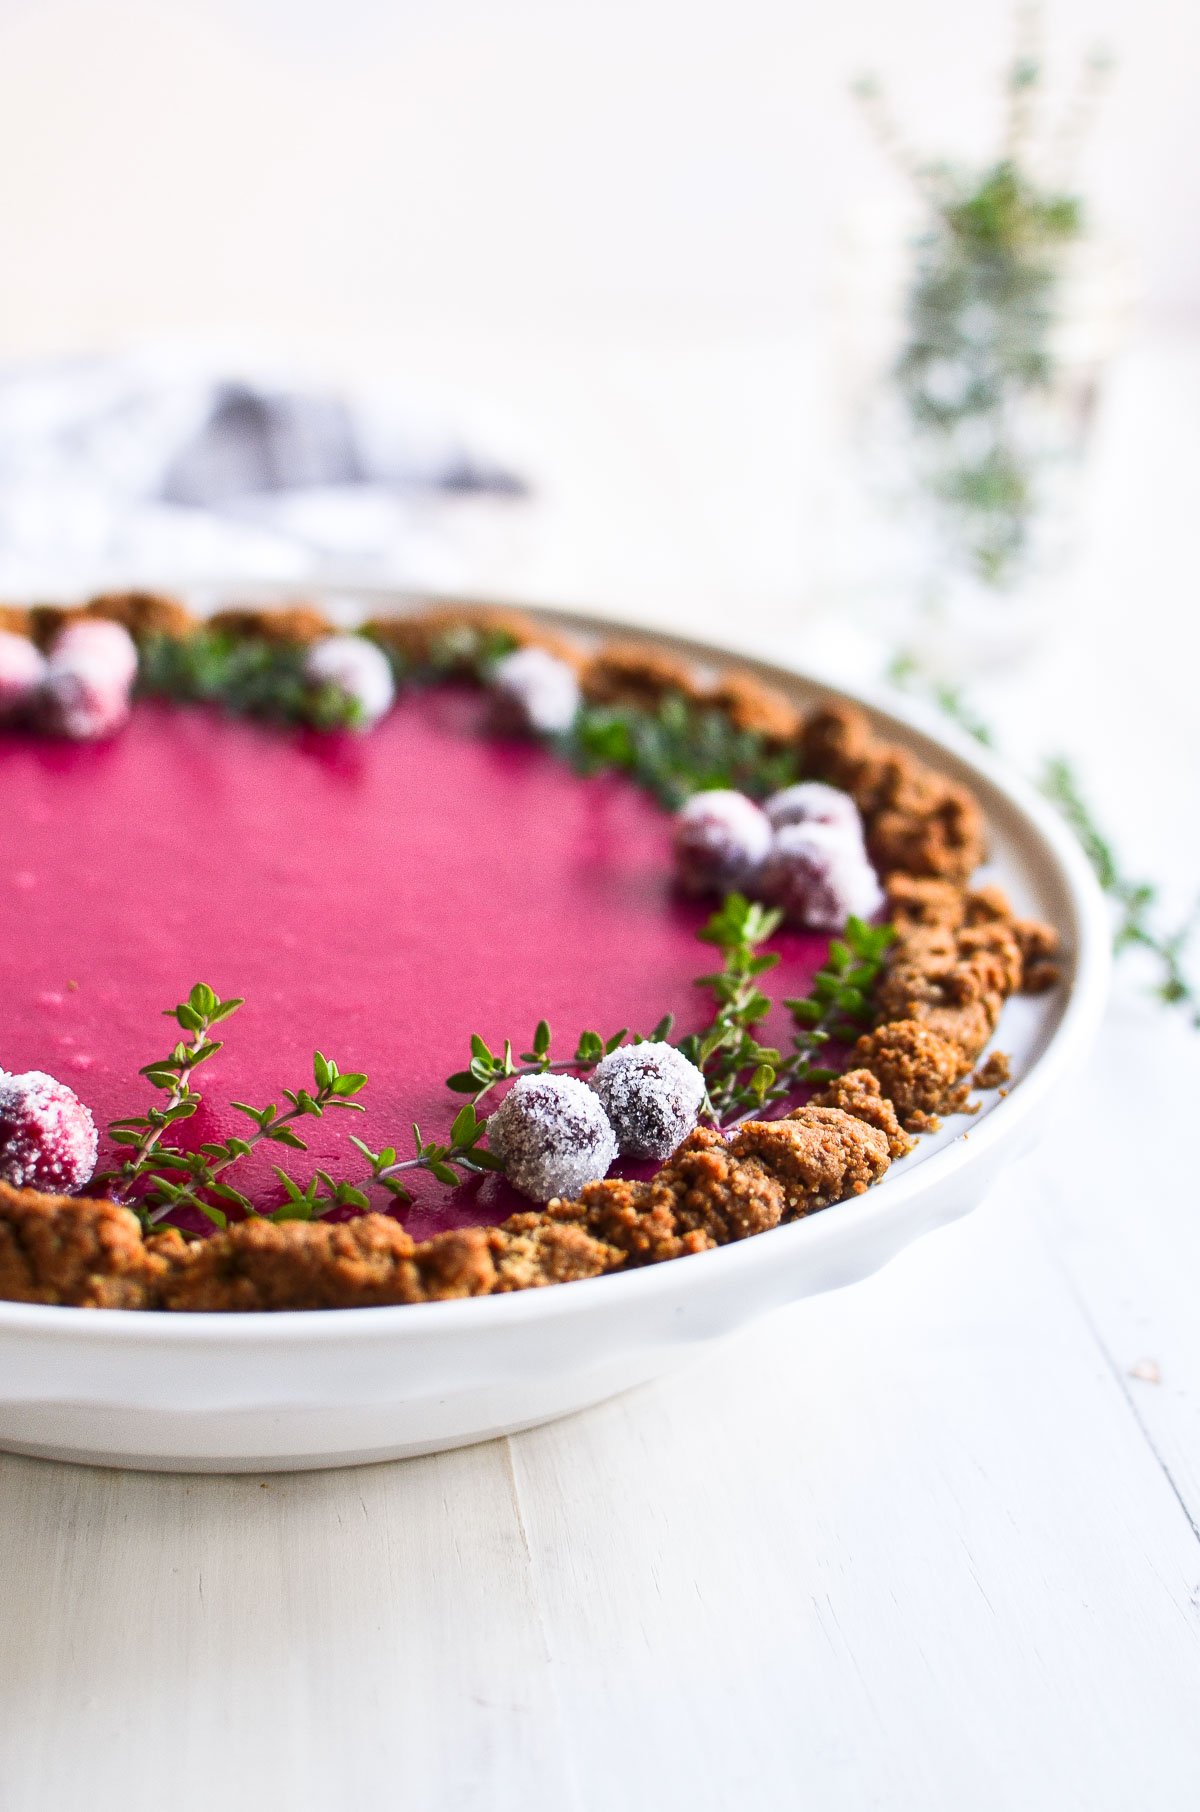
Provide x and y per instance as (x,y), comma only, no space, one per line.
(1136,901)
(908,672)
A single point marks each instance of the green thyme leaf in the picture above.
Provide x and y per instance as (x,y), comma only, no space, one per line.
(352,1083)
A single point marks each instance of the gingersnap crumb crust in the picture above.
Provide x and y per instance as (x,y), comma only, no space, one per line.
(959,953)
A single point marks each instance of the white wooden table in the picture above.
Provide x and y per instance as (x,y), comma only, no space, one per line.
(931,1543)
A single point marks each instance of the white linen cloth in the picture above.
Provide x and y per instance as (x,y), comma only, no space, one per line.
(162,466)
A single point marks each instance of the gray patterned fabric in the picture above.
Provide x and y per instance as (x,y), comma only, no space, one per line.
(160,466)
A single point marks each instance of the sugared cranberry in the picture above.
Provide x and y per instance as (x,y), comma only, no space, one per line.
(652,1095)
(721,838)
(81,699)
(22,669)
(820,876)
(47,1135)
(107,650)
(552,1135)
(358,669)
(812,802)
(533,693)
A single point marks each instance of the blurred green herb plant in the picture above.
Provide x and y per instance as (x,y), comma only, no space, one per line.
(982,303)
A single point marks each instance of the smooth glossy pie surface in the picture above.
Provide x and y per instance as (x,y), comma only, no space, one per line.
(378,897)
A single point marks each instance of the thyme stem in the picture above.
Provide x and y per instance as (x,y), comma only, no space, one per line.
(179,1090)
(1135,899)
(189,1198)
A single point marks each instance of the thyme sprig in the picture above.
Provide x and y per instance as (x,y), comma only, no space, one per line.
(975,377)
(158,1179)
(463,1153)
(675,750)
(738,1069)
(908,672)
(142,1133)
(488,1068)
(204,1168)
(838,1005)
(1136,901)
(248,675)
(744,1076)
(466,650)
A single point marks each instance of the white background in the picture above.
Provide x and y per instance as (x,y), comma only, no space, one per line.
(609,241)
(376,166)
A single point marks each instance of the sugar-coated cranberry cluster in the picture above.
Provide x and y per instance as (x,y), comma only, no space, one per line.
(80,689)
(554,1134)
(803,850)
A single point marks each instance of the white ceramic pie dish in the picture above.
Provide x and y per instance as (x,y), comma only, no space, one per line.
(297,1390)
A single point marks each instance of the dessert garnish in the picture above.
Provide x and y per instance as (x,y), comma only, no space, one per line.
(22,670)
(721,841)
(561,1124)
(534,692)
(653,1096)
(744,1076)
(358,670)
(47,1136)
(819,875)
(812,802)
(803,850)
(552,1136)
(85,691)
(106,648)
